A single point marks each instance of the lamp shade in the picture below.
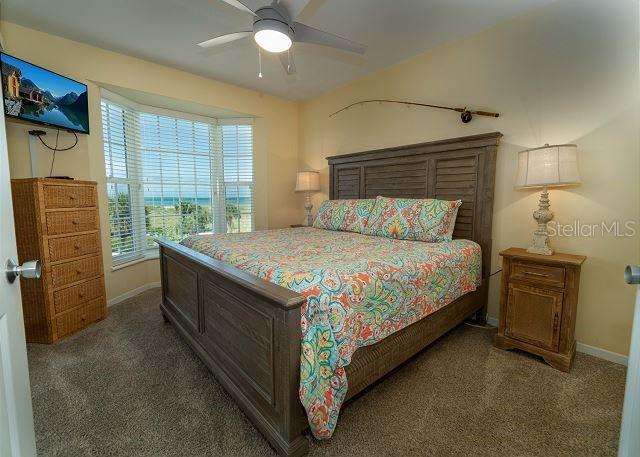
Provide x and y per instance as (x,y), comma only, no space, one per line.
(548,166)
(308,181)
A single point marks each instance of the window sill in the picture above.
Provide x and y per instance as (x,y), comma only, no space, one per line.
(149,255)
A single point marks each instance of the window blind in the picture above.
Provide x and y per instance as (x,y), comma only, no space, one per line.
(237,148)
(170,176)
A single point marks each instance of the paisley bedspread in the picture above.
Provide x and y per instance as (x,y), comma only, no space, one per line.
(359,290)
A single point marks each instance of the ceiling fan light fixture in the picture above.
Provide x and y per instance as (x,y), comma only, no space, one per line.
(273,35)
(273,40)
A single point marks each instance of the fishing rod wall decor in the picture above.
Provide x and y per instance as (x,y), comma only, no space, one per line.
(465,114)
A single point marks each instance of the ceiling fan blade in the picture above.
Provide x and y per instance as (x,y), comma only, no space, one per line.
(293,8)
(286,59)
(222,39)
(306,34)
(241,6)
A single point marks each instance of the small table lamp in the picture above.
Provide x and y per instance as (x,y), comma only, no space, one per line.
(544,167)
(308,182)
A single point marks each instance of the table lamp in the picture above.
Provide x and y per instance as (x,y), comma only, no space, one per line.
(308,182)
(544,167)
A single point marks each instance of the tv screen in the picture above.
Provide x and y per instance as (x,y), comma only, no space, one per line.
(37,95)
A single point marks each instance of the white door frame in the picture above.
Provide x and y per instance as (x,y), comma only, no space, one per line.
(17,437)
(630,428)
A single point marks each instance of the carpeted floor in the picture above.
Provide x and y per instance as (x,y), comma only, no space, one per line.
(129,386)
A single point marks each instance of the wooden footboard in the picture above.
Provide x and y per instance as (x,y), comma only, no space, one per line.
(247,331)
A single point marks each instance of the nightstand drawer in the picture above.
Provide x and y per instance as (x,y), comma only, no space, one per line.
(538,273)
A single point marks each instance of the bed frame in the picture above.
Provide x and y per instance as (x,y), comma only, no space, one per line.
(247,330)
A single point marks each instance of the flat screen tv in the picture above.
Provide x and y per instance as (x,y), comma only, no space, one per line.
(34,94)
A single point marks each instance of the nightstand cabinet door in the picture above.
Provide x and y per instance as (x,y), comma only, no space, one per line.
(533,315)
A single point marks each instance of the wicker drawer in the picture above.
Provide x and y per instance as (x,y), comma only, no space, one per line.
(541,274)
(79,318)
(65,196)
(59,222)
(76,295)
(73,246)
(75,271)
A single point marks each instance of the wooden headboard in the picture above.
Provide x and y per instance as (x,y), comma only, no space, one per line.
(458,168)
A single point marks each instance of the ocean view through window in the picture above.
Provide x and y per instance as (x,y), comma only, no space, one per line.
(170,175)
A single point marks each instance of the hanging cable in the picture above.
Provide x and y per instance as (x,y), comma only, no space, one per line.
(55,148)
(40,133)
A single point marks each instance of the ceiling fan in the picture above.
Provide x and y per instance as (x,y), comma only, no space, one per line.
(275,30)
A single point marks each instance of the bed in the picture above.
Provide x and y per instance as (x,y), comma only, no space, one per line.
(225,294)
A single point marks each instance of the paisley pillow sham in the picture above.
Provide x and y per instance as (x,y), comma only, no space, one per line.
(344,215)
(413,219)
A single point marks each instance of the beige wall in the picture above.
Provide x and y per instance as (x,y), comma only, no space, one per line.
(567,73)
(275,131)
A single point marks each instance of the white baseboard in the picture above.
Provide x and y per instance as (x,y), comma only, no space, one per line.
(133,293)
(585,349)
(602,353)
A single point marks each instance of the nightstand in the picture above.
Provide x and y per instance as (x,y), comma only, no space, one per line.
(538,300)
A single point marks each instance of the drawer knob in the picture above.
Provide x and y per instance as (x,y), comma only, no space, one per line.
(83,318)
(75,222)
(72,197)
(81,295)
(78,272)
(76,246)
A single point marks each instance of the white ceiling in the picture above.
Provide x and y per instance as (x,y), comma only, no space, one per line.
(166,31)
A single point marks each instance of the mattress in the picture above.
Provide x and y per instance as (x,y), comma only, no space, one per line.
(359,289)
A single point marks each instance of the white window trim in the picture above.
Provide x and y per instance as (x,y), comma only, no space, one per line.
(119,99)
(151,253)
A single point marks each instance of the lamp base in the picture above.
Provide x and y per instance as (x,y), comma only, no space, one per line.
(540,246)
(540,243)
(308,206)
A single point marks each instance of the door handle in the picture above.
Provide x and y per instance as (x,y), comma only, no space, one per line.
(632,274)
(30,269)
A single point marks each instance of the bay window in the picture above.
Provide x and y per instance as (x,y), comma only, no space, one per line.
(171,175)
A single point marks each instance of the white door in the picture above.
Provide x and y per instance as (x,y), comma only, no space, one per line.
(629,436)
(17,438)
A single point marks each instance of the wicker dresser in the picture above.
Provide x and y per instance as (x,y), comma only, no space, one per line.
(57,222)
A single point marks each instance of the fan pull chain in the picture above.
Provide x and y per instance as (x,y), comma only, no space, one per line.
(289,60)
(259,63)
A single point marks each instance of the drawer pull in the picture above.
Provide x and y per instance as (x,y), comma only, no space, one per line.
(75,222)
(78,272)
(533,273)
(72,197)
(76,246)
(81,295)
(555,322)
